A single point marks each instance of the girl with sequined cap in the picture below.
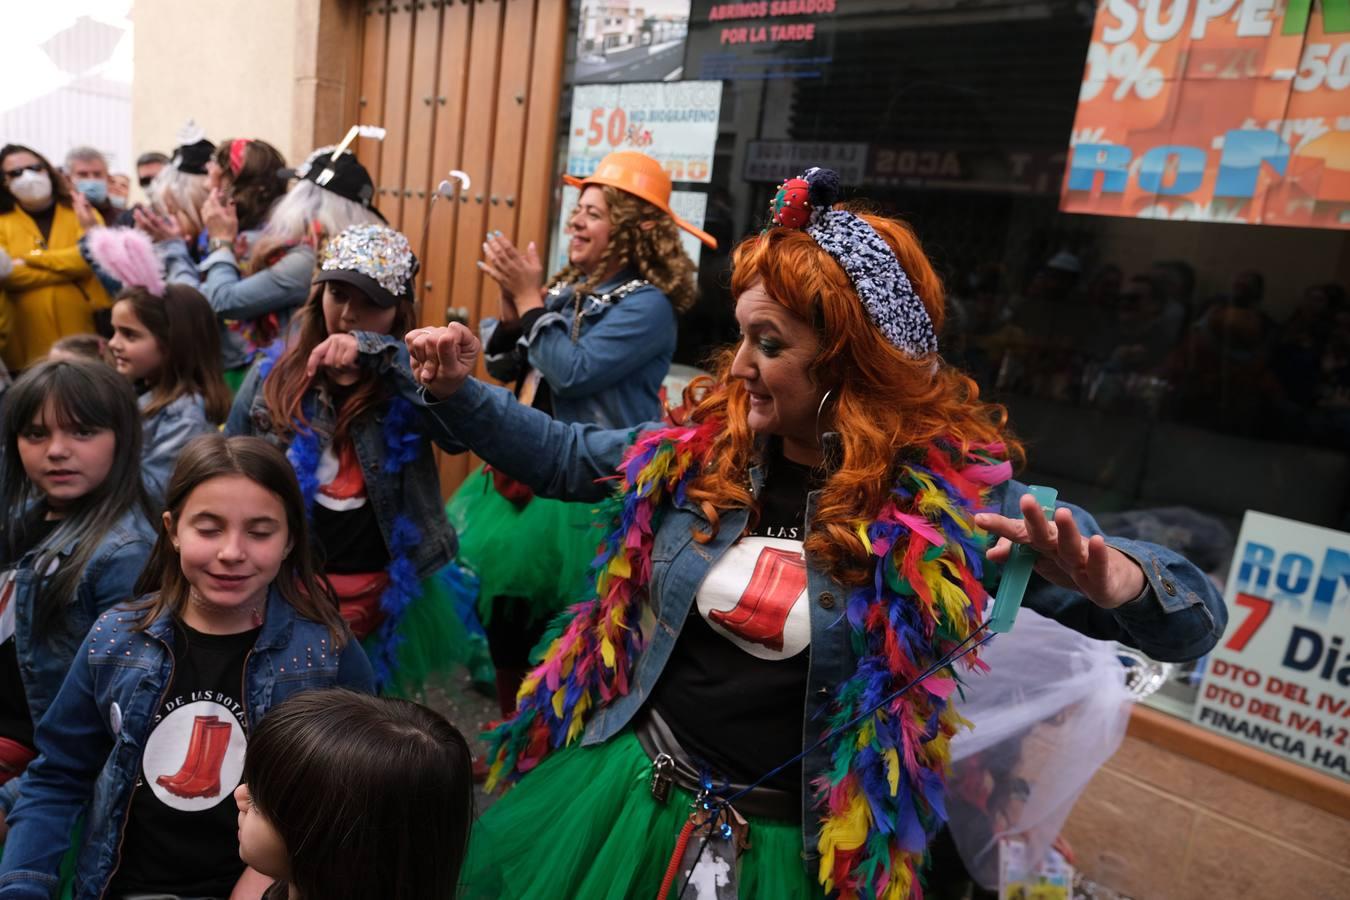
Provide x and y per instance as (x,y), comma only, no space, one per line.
(591,345)
(338,397)
(813,536)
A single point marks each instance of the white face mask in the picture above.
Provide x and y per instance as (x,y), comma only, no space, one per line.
(32,187)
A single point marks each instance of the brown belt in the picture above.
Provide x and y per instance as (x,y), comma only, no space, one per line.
(670,761)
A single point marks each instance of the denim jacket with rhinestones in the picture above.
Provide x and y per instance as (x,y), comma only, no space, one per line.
(611,373)
(1180,615)
(91,740)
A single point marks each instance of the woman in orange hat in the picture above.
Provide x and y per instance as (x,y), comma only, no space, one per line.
(592,344)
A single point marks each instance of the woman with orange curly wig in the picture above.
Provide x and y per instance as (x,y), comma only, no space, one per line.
(786,577)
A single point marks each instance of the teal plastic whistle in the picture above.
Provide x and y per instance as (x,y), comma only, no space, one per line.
(1017,571)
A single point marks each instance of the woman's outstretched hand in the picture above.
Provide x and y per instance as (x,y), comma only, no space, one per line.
(443,358)
(1103,574)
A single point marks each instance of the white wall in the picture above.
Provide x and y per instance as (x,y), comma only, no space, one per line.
(68,72)
(230,66)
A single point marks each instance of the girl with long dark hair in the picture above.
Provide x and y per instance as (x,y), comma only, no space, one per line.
(75,538)
(147,735)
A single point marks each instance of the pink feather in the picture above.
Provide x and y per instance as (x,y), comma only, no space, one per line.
(127,255)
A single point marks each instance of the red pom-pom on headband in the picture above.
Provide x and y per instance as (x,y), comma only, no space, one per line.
(791,205)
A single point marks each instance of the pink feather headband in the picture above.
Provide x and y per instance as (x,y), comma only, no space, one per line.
(127,255)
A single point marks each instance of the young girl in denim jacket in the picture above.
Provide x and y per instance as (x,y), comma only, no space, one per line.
(339,399)
(148,733)
(164,341)
(75,538)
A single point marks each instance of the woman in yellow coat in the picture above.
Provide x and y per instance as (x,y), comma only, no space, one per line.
(51,291)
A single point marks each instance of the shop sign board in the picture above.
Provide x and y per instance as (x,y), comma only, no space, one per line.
(673,122)
(1215,110)
(774,161)
(1280,677)
(759,40)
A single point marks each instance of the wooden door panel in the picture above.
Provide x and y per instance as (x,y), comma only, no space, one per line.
(471,85)
(373,50)
(421,129)
(447,148)
(397,77)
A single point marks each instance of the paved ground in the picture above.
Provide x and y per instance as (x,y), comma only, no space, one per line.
(469,711)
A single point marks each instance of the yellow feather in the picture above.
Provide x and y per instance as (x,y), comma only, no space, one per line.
(843,831)
(558,696)
(619,567)
(893,770)
(578,723)
(607,653)
(862,536)
(899,886)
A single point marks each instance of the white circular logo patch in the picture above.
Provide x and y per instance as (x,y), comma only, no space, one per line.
(195,756)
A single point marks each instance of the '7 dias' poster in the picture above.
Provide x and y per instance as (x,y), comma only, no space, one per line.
(1280,678)
(1217,111)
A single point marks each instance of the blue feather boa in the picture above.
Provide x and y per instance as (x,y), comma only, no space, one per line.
(403,444)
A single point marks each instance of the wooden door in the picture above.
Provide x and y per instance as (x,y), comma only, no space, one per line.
(471,85)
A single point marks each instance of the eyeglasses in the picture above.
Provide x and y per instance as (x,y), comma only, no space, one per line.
(15,173)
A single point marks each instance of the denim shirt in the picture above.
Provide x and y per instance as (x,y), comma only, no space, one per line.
(167,432)
(1179,617)
(108,579)
(611,375)
(90,745)
(414,491)
(280,288)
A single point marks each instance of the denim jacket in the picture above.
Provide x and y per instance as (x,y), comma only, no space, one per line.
(1180,616)
(167,432)
(611,375)
(91,743)
(109,579)
(414,491)
(279,288)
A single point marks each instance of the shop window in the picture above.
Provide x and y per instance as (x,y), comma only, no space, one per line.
(1166,375)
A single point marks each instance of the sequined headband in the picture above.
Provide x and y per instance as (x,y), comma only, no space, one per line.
(878,278)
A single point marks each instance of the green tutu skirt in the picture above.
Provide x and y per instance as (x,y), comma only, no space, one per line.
(541,553)
(584,825)
(432,642)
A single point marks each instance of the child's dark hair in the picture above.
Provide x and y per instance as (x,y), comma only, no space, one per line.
(285,388)
(372,797)
(93,396)
(184,325)
(84,346)
(216,456)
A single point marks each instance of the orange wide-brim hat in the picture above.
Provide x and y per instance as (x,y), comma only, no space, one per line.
(640,175)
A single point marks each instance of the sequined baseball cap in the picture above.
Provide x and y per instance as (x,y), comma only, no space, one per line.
(375,259)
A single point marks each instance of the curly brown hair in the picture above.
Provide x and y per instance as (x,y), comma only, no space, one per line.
(645,238)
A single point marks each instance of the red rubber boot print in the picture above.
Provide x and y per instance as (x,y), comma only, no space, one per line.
(205,780)
(759,616)
(194,754)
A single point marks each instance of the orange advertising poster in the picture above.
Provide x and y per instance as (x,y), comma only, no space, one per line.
(1215,111)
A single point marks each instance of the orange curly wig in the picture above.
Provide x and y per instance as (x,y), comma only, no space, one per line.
(884,401)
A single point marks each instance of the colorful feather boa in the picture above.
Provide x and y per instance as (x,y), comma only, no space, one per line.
(882,798)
